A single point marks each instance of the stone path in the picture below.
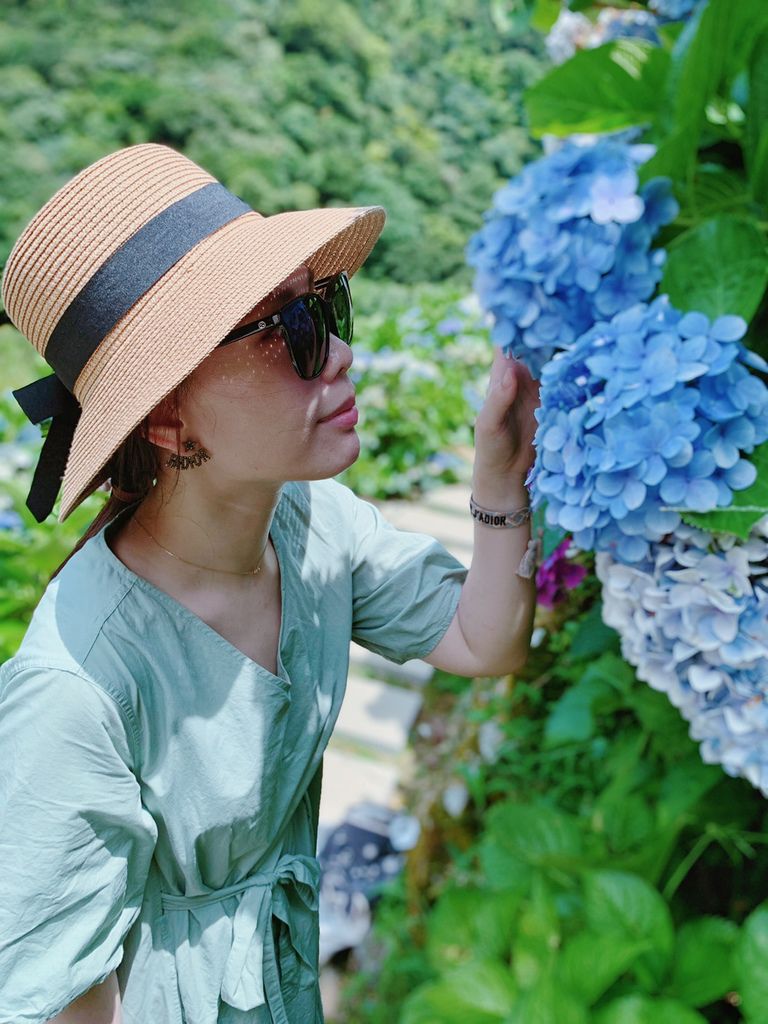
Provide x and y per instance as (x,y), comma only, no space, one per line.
(368,752)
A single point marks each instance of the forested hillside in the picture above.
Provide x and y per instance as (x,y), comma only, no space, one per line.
(412,105)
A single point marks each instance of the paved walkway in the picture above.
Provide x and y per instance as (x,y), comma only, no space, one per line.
(368,752)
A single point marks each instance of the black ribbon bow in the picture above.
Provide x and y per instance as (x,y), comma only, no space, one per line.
(41,400)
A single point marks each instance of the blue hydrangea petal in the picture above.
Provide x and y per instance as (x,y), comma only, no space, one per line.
(728,328)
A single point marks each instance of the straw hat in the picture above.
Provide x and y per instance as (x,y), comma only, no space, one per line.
(128,277)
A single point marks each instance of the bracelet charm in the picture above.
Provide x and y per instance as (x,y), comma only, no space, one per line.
(499,520)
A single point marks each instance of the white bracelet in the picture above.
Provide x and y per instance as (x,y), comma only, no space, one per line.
(516,517)
(499,520)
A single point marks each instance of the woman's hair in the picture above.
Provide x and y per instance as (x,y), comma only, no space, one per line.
(133,468)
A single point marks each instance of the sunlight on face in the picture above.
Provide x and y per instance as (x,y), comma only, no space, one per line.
(257,417)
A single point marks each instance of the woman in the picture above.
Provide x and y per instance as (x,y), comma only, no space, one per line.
(163,724)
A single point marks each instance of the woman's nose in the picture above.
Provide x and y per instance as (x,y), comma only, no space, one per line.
(339,358)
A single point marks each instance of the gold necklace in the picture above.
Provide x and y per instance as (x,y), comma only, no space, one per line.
(232,572)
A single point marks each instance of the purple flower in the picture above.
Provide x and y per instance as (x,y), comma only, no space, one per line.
(556,575)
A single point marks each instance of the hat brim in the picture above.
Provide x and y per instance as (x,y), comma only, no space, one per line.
(184,316)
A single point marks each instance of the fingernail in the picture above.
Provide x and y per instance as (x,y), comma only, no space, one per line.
(509,376)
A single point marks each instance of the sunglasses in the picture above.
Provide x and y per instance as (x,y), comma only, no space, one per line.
(306,323)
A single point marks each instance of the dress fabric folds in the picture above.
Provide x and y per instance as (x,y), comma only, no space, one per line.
(159,790)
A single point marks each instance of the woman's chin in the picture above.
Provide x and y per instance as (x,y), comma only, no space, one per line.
(345,452)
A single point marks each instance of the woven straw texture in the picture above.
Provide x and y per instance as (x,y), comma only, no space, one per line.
(185,314)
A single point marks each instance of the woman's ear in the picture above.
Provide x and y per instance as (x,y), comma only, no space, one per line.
(165,427)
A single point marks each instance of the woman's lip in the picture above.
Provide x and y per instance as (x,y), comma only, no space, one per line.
(346,418)
(343,410)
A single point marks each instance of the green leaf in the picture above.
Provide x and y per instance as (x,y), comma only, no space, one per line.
(747,507)
(703,969)
(673,155)
(592,961)
(545,13)
(698,62)
(751,957)
(715,190)
(572,716)
(604,89)
(718,267)
(548,1003)
(756,128)
(626,818)
(709,52)
(683,787)
(637,1009)
(615,901)
(536,835)
(483,992)
(471,924)
(534,949)
(759,172)
(593,637)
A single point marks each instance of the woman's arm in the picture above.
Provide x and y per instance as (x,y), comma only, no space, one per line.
(491,630)
(99,1005)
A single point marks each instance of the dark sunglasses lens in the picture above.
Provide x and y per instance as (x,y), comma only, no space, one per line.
(340,298)
(305,326)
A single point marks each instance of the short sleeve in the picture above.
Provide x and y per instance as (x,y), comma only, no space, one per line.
(75,840)
(406,587)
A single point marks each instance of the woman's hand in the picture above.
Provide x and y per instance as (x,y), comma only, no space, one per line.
(505,428)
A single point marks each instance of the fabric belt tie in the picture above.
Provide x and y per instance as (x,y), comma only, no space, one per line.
(290,893)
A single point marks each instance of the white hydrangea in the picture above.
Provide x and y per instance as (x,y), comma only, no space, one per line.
(694,623)
(571,32)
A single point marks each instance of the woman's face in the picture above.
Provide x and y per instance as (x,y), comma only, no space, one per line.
(258,419)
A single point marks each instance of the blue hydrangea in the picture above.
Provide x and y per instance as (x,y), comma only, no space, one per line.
(567,243)
(673,10)
(10,519)
(694,624)
(614,24)
(645,415)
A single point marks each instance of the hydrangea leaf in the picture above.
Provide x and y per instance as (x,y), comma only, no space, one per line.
(544,15)
(534,835)
(719,267)
(756,125)
(637,1009)
(703,968)
(697,63)
(672,156)
(592,961)
(750,958)
(714,191)
(619,902)
(548,1002)
(604,89)
(572,718)
(747,508)
(713,46)
(471,923)
(482,991)
(759,173)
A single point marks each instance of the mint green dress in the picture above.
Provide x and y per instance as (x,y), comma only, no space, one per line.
(159,790)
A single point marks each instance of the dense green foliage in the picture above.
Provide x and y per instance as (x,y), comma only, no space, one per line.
(419,371)
(292,105)
(599,871)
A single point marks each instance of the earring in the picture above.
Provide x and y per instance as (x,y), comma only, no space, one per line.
(185,461)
